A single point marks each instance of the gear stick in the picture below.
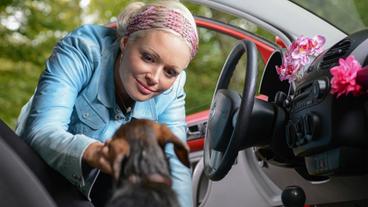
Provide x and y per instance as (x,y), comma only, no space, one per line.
(293,196)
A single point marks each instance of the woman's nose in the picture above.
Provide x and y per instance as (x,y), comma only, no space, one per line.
(153,77)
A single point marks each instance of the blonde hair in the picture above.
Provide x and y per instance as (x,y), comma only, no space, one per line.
(135,9)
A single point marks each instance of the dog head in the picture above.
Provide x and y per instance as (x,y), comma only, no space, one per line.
(144,194)
(139,147)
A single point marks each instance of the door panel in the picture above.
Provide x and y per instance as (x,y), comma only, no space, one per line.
(231,191)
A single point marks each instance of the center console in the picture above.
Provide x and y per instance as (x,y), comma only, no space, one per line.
(330,132)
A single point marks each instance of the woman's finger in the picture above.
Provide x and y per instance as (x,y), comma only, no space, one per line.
(105,152)
(105,166)
(107,142)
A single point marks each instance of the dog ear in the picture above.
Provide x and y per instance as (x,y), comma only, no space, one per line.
(180,148)
(118,149)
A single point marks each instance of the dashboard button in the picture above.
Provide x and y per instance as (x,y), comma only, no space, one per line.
(312,126)
(319,88)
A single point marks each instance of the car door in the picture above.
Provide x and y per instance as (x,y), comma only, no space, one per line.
(197,115)
(229,191)
(252,181)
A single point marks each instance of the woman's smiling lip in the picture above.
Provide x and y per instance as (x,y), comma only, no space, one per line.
(144,89)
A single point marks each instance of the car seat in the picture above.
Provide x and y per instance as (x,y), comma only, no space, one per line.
(22,166)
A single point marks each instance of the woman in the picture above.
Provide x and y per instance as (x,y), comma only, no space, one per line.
(99,78)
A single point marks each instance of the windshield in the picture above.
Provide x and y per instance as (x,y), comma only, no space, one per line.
(349,16)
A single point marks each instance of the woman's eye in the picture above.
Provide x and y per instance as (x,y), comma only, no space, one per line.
(148,58)
(171,73)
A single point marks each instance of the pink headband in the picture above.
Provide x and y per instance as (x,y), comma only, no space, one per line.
(162,17)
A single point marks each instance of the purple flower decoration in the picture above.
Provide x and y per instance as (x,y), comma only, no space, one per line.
(298,55)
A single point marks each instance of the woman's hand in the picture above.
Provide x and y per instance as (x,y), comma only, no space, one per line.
(97,155)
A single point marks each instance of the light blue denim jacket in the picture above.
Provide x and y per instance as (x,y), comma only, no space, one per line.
(74,105)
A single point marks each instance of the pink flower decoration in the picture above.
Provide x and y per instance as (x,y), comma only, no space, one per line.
(344,77)
(318,41)
(288,70)
(304,47)
(298,55)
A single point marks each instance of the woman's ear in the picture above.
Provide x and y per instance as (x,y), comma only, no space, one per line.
(123,42)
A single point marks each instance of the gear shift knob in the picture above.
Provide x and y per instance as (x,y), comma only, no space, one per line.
(293,196)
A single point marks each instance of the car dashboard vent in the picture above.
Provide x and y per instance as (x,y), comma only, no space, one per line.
(332,56)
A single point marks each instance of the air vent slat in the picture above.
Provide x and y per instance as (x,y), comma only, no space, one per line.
(332,56)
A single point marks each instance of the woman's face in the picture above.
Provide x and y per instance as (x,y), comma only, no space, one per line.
(151,63)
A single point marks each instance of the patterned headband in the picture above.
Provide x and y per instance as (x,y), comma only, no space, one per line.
(162,17)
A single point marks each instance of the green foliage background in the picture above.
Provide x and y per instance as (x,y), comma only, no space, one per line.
(24,49)
(38,24)
(42,22)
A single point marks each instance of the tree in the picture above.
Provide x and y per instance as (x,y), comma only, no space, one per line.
(28,30)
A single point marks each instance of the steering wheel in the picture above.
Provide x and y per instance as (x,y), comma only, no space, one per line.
(230,113)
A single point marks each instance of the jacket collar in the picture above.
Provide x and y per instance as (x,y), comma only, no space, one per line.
(145,110)
(106,89)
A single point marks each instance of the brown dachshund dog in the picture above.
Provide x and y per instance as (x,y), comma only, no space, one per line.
(140,168)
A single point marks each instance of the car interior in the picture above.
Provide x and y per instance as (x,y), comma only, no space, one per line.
(29,180)
(266,143)
(302,127)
